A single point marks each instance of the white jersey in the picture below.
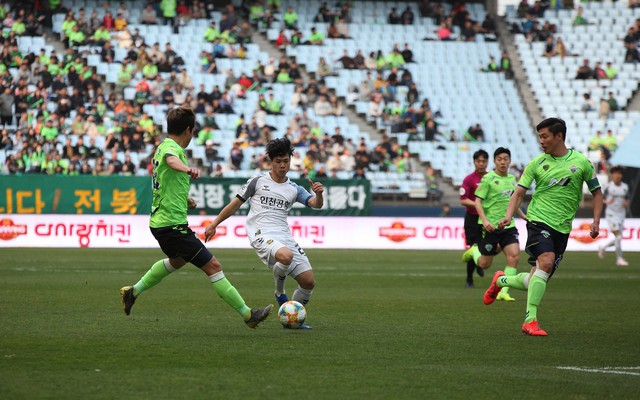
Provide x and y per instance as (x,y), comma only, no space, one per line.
(270,203)
(617,193)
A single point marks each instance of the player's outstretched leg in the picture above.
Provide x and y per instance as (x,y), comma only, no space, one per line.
(258,315)
(232,297)
(127,298)
(158,271)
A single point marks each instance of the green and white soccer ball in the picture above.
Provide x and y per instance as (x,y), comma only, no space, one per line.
(292,314)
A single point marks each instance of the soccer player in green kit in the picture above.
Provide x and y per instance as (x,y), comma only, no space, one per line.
(492,199)
(559,174)
(168,222)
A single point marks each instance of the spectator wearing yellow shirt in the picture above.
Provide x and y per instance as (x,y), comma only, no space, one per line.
(120,23)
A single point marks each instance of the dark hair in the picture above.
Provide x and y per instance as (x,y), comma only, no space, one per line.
(555,126)
(279,147)
(501,150)
(480,153)
(615,169)
(179,120)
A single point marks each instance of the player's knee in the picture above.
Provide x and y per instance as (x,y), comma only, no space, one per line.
(306,281)
(213,266)
(284,256)
(484,262)
(513,260)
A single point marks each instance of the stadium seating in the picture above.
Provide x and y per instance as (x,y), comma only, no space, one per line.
(553,81)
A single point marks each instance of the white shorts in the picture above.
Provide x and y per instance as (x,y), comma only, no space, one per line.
(615,222)
(267,245)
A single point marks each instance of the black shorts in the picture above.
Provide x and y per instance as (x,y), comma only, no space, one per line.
(180,241)
(472,229)
(493,242)
(543,239)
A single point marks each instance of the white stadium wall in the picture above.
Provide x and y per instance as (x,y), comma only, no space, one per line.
(131,231)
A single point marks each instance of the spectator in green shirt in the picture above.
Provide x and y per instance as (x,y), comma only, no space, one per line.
(611,72)
(290,18)
(49,132)
(204,135)
(395,59)
(610,142)
(596,141)
(316,37)
(168,8)
(211,33)
(273,106)
(150,71)
(76,37)
(101,36)
(18,27)
(256,12)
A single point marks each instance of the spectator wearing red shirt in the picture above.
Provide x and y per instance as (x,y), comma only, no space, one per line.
(245,81)
(108,21)
(473,229)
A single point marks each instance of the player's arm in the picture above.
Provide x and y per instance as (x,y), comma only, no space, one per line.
(465,189)
(226,212)
(488,226)
(177,165)
(597,212)
(318,200)
(521,213)
(591,180)
(514,204)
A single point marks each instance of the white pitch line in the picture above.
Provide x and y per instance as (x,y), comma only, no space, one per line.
(605,370)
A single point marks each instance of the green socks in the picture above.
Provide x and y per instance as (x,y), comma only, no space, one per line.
(475,253)
(229,294)
(516,281)
(508,271)
(537,287)
(154,275)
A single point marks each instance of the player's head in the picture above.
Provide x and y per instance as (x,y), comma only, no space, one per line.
(616,174)
(480,160)
(280,147)
(551,134)
(502,159)
(180,121)
(280,151)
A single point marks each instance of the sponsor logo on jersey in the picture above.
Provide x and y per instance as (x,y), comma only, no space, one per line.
(9,230)
(397,232)
(573,169)
(545,167)
(265,188)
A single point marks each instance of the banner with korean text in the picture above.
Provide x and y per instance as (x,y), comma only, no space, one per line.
(43,194)
(131,231)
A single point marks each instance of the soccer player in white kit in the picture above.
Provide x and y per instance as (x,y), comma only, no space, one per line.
(616,197)
(271,196)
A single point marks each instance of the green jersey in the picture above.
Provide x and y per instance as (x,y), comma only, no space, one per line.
(495,192)
(170,187)
(558,188)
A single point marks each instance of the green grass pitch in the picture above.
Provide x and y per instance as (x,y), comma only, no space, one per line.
(388,325)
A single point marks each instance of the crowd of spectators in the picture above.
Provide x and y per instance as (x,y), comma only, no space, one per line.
(457,19)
